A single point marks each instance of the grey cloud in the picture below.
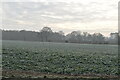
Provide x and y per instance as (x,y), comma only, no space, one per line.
(41,13)
(57,9)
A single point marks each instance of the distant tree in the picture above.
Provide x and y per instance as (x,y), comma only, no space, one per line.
(114,38)
(84,37)
(46,29)
(61,32)
(23,34)
(89,38)
(73,36)
(45,33)
(98,38)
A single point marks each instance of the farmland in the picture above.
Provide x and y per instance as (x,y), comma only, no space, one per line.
(60,58)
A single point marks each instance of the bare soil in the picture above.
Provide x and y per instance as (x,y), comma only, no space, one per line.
(30,75)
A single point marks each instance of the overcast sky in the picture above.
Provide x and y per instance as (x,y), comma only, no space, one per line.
(85,15)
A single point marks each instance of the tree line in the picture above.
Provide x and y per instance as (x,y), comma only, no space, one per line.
(47,35)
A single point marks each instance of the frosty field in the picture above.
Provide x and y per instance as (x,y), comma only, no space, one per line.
(60,58)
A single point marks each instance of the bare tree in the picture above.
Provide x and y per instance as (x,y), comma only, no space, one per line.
(45,33)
